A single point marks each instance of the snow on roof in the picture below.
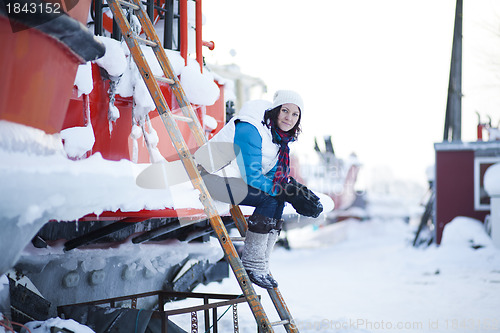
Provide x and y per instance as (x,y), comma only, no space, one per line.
(41,182)
(54,187)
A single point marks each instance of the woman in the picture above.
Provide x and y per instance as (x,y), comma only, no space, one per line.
(261,137)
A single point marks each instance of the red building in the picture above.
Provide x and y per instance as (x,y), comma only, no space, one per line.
(459,185)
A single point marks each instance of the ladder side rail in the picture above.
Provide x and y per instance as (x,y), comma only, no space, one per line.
(239,220)
(190,166)
(168,71)
(282,309)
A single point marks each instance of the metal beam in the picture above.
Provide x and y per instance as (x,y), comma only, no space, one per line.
(453,118)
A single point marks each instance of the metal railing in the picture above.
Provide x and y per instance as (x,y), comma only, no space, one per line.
(165,12)
(166,296)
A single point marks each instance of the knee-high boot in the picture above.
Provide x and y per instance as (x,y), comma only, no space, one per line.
(271,241)
(255,248)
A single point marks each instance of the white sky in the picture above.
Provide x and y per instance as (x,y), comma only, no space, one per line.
(373,74)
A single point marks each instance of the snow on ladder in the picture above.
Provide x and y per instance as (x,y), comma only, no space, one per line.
(187,159)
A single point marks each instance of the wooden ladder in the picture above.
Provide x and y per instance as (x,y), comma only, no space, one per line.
(189,116)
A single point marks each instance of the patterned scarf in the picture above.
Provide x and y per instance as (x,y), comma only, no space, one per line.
(282,138)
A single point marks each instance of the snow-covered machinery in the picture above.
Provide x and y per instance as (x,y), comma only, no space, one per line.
(77,125)
(335,177)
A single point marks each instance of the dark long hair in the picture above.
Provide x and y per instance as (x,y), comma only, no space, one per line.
(272,114)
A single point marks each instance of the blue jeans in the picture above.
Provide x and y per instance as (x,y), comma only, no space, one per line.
(236,191)
(264,203)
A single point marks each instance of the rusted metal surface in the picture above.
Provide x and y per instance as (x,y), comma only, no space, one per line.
(164,296)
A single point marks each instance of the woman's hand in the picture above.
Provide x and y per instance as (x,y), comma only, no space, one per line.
(303,200)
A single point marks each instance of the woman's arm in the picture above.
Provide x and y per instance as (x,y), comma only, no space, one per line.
(249,156)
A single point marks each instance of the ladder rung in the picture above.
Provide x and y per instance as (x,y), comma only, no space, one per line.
(237,239)
(128,4)
(182,118)
(281,322)
(145,41)
(164,79)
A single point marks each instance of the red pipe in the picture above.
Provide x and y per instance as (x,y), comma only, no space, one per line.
(199,42)
(480,132)
(184,29)
(210,45)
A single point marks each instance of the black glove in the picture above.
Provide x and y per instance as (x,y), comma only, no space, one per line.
(303,190)
(303,200)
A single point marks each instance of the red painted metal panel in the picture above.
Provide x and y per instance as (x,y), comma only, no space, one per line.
(199,41)
(183,26)
(37,78)
(454,188)
(75,116)
(117,144)
(113,145)
(119,215)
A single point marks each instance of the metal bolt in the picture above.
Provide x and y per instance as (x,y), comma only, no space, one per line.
(128,273)
(97,277)
(71,279)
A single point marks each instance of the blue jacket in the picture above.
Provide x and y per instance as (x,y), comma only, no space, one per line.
(247,138)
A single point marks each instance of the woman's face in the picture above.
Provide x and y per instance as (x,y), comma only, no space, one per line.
(288,116)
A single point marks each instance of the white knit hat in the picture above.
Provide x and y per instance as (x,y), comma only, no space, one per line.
(287,96)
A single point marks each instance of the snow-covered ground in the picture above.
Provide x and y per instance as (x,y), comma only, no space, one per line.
(366,277)
(370,279)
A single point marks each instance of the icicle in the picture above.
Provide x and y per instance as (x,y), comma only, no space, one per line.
(151,139)
(152,134)
(134,22)
(135,134)
(89,125)
(113,112)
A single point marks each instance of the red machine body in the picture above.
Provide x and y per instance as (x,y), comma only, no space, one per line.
(38,91)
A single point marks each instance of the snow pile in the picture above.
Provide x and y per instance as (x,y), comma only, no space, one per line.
(176,61)
(492,180)
(113,61)
(199,88)
(464,232)
(135,259)
(45,326)
(17,137)
(209,122)
(50,186)
(83,79)
(78,140)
